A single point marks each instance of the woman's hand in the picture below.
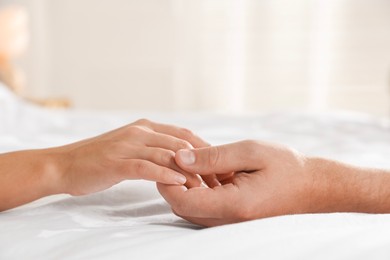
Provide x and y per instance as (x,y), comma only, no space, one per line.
(141,150)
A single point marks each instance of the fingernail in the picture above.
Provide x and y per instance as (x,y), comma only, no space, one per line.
(186,156)
(181,179)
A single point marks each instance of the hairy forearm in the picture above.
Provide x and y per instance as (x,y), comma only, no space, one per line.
(26,176)
(339,187)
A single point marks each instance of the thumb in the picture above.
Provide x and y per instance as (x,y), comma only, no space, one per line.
(234,157)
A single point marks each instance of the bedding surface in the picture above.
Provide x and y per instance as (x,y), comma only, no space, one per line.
(132,221)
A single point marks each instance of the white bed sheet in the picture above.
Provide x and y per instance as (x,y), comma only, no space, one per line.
(132,221)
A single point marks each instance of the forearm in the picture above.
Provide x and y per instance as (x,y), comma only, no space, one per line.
(339,187)
(26,176)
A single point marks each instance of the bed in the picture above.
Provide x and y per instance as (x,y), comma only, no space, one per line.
(132,221)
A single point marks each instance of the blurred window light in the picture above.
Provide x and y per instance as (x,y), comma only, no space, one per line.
(236,55)
(319,54)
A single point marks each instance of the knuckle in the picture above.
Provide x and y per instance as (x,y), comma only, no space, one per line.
(143,121)
(182,144)
(134,130)
(167,157)
(186,133)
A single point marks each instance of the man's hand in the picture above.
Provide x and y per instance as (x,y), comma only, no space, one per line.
(263,180)
(141,150)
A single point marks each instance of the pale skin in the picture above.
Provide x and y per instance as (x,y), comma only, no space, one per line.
(261,180)
(141,150)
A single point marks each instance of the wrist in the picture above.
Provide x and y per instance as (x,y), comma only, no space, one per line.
(52,171)
(339,187)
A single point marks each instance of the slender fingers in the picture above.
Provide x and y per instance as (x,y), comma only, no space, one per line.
(142,169)
(156,155)
(179,132)
(152,135)
(162,157)
(154,139)
(166,158)
(144,136)
(188,135)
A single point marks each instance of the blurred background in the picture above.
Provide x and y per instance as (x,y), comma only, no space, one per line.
(229,56)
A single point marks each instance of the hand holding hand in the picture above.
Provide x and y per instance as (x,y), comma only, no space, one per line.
(263,180)
(259,180)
